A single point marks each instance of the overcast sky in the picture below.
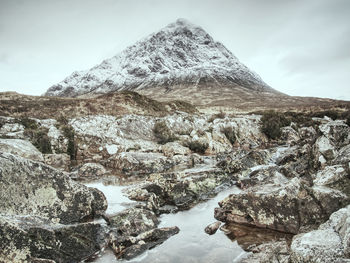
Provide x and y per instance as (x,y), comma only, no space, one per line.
(299,47)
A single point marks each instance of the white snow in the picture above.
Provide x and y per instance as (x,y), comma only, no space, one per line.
(179,52)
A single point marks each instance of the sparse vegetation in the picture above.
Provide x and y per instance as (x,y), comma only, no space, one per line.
(220,115)
(197,146)
(272,122)
(69,133)
(230,134)
(39,139)
(162,132)
(28,123)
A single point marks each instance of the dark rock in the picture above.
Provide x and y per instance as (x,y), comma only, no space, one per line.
(134,246)
(212,228)
(35,239)
(287,207)
(133,221)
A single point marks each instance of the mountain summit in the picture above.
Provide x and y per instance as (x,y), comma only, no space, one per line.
(181,55)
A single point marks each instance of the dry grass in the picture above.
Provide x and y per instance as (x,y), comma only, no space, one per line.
(117,103)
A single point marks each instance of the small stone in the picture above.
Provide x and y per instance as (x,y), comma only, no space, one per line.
(212,228)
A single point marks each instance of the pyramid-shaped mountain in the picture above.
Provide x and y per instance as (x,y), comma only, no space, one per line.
(181,61)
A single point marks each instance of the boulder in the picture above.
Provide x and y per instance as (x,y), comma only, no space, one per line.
(89,170)
(132,163)
(337,132)
(36,239)
(58,160)
(329,243)
(133,221)
(21,148)
(289,135)
(9,128)
(307,134)
(212,228)
(131,247)
(295,206)
(134,230)
(32,188)
(335,177)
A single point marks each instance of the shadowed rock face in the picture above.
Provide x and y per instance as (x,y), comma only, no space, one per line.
(41,214)
(30,238)
(32,188)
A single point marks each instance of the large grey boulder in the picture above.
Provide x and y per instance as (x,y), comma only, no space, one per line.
(285,207)
(329,243)
(30,239)
(32,188)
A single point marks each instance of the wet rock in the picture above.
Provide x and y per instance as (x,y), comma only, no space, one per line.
(295,206)
(21,148)
(32,188)
(133,221)
(181,189)
(89,170)
(131,247)
(212,228)
(58,160)
(35,239)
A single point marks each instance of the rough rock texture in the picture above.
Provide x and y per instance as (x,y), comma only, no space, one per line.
(58,160)
(89,170)
(270,252)
(11,129)
(331,242)
(179,53)
(21,148)
(295,205)
(134,230)
(133,221)
(30,239)
(32,188)
(180,189)
(212,228)
(130,247)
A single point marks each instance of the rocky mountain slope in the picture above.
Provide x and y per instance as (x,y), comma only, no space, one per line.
(181,54)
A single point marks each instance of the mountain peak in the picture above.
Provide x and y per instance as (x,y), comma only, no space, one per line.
(179,54)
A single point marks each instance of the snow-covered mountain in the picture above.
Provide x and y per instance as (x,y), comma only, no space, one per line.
(179,54)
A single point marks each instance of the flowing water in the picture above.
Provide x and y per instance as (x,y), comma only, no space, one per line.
(191,244)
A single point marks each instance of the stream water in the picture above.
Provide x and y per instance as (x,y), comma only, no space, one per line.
(191,244)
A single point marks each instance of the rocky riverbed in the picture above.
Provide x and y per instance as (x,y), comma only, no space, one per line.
(71,189)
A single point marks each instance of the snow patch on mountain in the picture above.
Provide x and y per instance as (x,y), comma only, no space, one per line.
(179,53)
